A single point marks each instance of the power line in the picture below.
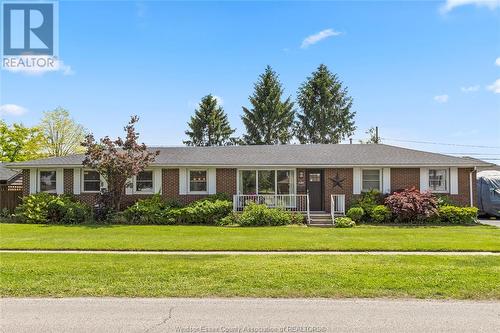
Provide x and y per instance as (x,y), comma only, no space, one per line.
(440,143)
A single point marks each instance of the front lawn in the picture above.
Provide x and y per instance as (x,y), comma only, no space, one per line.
(58,275)
(206,238)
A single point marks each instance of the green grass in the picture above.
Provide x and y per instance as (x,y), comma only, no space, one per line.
(334,276)
(119,237)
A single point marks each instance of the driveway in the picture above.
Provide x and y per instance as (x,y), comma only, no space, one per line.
(488,221)
(246,315)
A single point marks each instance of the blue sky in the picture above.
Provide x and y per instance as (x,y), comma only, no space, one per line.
(421,71)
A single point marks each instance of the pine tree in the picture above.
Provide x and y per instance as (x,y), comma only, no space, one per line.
(325,114)
(270,120)
(209,126)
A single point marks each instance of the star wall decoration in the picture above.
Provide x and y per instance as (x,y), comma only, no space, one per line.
(337,181)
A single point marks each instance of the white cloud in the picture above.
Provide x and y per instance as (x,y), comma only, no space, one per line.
(12,110)
(441,98)
(470,89)
(497,61)
(313,39)
(495,87)
(449,5)
(58,66)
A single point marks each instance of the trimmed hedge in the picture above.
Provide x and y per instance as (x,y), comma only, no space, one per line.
(457,215)
(260,215)
(380,214)
(356,214)
(46,208)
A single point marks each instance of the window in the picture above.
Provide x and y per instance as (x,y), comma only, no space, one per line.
(285,182)
(438,180)
(370,180)
(266,182)
(144,182)
(248,182)
(197,180)
(48,181)
(91,181)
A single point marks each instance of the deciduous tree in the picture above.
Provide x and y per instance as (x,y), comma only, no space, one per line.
(62,135)
(118,160)
(19,143)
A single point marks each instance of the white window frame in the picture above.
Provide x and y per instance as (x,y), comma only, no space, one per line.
(83,181)
(39,184)
(134,183)
(189,181)
(446,180)
(381,179)
(294,179)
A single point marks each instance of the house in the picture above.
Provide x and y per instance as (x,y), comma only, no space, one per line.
(308,178)
(9,177)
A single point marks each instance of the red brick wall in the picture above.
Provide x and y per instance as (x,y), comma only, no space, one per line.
(226,181)
(26,182)
(463,196)
(347,185)
(402,178)
(68,181)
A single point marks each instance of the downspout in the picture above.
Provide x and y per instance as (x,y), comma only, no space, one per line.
(470,187)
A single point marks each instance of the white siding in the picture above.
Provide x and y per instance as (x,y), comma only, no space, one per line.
(77,180)
(424,179)
(183,181)
(453,180)
(129,189)
(60,181)
(356,181)
(33,181)
(386,180)
(212,180)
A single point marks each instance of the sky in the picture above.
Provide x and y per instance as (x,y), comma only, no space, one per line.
(426,71)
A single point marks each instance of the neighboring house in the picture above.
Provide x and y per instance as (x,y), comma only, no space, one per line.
(10,177)
(299,177)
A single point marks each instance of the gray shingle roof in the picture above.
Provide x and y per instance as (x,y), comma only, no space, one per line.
(290,155)
(6,174)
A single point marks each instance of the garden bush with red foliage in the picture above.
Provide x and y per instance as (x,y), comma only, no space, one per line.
(410,206)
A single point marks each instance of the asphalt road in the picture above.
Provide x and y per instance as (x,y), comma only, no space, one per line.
(246,315)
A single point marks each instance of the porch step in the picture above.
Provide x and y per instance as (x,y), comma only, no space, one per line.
(320,220)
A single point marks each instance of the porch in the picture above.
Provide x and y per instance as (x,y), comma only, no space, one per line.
(299,203)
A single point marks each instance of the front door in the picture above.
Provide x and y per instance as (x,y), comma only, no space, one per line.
(314,183)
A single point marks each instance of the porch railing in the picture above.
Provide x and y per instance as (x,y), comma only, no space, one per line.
(338,204)
(288,202)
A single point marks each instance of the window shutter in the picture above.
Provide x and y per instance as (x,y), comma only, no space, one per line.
(356,181)
(212,181)
(453,180)
(77,180)
(183,181)
(129,189)
(386,180)
(424,179)
(33,181)
(60,180)
(157,181)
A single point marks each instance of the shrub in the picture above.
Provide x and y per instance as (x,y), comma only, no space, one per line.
(153,210)
(46,208)
(444,200)
(204,212)
(261,215)
(367,201)
(356,214)
(219,196)
(231,219)
(411,205)
(344,222)
(380,214)
(458,215)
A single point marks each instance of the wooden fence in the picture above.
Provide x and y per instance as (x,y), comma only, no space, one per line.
(10,196)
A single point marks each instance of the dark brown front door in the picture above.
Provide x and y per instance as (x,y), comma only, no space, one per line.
(314,180)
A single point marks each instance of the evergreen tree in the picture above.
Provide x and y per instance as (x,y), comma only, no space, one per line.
(209,126)
(269,121)
(325,109)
